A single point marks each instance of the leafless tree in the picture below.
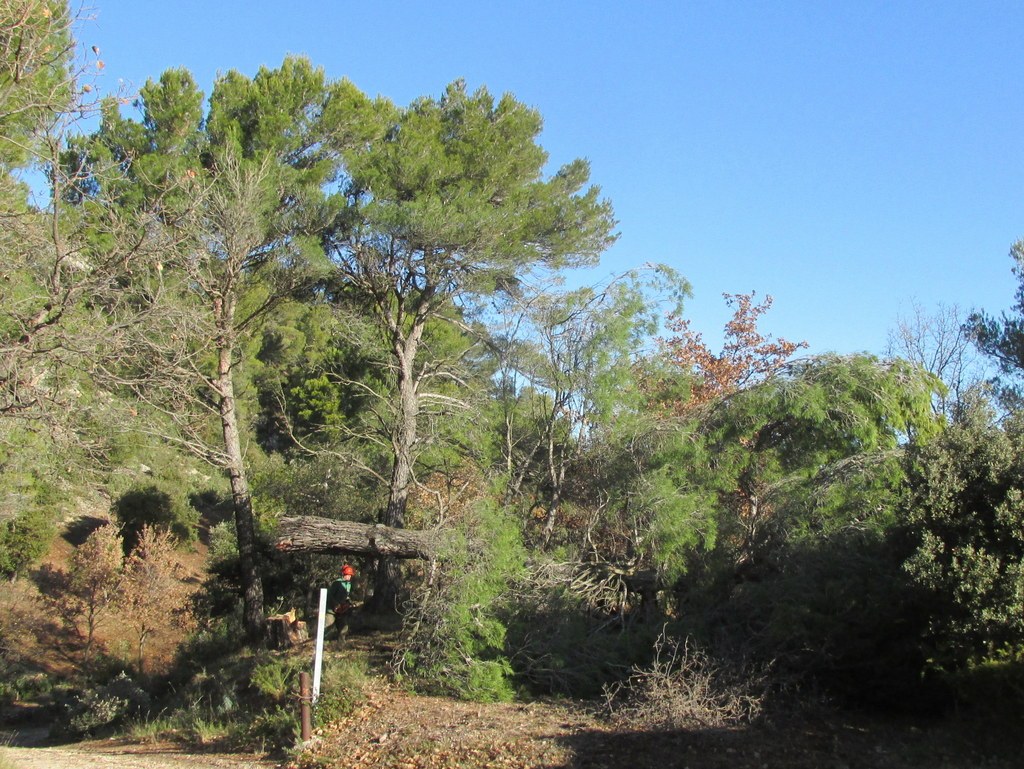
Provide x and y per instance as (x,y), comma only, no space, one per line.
(72,284)
(940,343)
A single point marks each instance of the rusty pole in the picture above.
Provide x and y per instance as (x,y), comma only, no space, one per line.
(305,706)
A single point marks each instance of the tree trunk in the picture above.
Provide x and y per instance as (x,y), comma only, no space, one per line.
(245,525)
(286,630)
(309,534)
(388,580)
(143,636)
(556,476)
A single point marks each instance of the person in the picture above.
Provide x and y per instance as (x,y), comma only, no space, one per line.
(339,604)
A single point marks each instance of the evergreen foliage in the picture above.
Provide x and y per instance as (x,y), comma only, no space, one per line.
(455,637)
(446,205)
(36,84)
(1002,338)
(23,539)
(964,506)
(153,506)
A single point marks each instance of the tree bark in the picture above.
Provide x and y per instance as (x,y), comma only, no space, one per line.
(310,534)
(245,524)
(285,631)
(388,579)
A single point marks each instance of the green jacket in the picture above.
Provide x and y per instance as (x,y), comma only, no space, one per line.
(339,594)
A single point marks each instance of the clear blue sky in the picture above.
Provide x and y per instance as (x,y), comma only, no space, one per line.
(845,157)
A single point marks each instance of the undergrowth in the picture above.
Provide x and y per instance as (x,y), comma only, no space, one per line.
(683,687)
(250,701)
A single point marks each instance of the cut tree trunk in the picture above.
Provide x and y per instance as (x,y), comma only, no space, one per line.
(286,630)
(311,534)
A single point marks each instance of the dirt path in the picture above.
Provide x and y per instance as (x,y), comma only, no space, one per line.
(395,729)
(117,755)
(121,758)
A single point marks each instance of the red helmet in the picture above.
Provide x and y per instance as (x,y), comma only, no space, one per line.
(347,571)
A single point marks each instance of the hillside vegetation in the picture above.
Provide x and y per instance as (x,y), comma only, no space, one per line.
(286,298)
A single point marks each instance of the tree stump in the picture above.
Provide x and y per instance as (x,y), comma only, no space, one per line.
(285,630)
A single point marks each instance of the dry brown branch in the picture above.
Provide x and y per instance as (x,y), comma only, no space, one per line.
(683,688)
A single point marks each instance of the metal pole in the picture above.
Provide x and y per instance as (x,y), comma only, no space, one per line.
(305,707)
(318,659)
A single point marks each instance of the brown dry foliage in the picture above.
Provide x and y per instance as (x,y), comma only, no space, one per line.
(683,688)
(747,356)
(154,594)
(94,580)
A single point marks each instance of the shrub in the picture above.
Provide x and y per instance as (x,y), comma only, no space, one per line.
(569,634)
(992,690)
(965,508)
(23,540)
(275,727)
(837,613)
(106,706)
(683,687)
(342,689)
(454,636)
(155,507)
(245,701)
(19,683)
(276,678)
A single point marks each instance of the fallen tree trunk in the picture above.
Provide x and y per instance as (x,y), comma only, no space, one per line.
(310,534)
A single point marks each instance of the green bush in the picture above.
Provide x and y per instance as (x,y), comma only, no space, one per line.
(243,700)
(836,611)
(965,513)
(23,540)
(454,637)
(105,706)
(276,678)
(19,683)
(342,689)
(275,727)
(992,690)
(562,642)
(153,506)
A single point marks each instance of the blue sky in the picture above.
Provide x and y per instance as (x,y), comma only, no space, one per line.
(846,158)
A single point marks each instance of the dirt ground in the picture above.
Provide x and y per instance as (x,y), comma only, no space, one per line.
(27,750)
(396,729)
(399,730)
(116,756)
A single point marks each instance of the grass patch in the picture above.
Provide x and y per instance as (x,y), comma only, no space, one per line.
(342,688)
(249,700)
(154,729)
(209,731)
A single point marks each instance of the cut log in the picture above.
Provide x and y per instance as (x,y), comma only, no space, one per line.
(285,630)
(310,534)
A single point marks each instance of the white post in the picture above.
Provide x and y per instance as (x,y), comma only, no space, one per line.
(318,658)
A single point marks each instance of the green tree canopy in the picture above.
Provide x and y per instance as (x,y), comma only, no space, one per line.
(451,203)
(965,508)
(247,186)
(800,451)
(1002,338)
